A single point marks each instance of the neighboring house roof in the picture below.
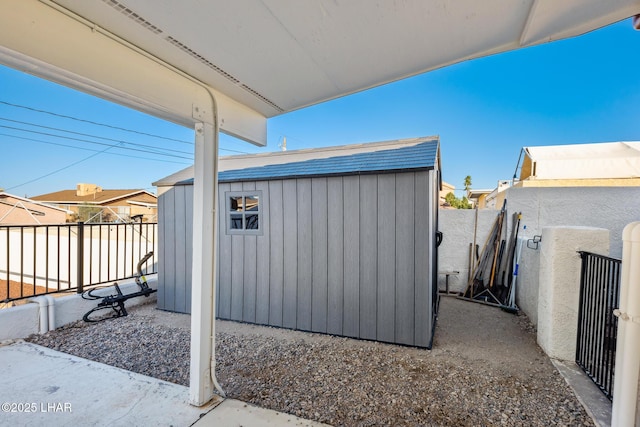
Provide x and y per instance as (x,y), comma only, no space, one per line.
(22,211)
(448,187)
(98,198)
(582,161)
(476,194)
(388,156)
(4,196)
(138,203)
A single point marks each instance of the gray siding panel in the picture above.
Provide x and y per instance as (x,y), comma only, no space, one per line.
(319,254)
(188,207)
(345,255)
(335,252)
(405,262)
(249,278)
(422,259)
(262,258)
(290,304)
(303,192)
(368,256)
(164,262)
(276,266)
(432,282)
(351,203)
(168,296)
(237,277)
(386,257)
(237,269)
(179,243)
(160,256)
(224,255)
(175,237)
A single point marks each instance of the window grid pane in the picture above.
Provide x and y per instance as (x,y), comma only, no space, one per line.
(243,212)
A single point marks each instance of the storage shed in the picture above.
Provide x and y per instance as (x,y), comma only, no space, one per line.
(338,240)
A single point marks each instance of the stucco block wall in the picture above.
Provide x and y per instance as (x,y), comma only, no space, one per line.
(527,282)
(611,208)
(23,320)
(457,226)
(559,290)
(19,322)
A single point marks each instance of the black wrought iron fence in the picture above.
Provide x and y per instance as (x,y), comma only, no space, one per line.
(597,326)
(44,259)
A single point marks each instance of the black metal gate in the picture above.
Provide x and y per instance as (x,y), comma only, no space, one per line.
(597,326)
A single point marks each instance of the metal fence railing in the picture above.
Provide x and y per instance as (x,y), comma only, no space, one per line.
(43,259)
(597,325)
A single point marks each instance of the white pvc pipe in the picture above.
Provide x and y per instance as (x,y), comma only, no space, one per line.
(625,388)
(46,313)
(43,312)
(51,312)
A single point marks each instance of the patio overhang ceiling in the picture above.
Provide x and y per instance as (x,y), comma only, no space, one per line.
(262,58)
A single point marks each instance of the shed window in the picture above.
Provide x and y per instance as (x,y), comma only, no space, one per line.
(243,212)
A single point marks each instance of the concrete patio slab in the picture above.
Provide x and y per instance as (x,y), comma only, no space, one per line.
(41,386)
(234,413)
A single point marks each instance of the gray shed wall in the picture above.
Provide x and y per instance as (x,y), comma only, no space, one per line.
(347,255)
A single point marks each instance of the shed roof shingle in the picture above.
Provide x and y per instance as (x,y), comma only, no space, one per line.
(387,156)
(416,157)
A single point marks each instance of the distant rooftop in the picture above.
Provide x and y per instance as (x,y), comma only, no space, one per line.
(582,161)
(90,194)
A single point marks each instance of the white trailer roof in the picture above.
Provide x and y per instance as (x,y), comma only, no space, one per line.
(582,161)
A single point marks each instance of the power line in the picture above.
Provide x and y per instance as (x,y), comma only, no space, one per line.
(101,137)
(155,149)
(94,123)
(96,143)
(90,136)
(111,154)
(98,137)
(89,149)
(61,169)
(232,151)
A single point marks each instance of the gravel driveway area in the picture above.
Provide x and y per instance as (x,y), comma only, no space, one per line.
(485,368)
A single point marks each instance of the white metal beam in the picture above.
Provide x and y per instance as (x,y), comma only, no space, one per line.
(44,39)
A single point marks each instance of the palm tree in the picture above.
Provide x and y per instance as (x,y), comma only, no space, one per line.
(467,183)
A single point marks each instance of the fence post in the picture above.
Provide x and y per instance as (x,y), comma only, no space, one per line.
(625,411)
(80,258)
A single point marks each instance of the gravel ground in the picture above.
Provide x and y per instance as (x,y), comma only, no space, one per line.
(485,368)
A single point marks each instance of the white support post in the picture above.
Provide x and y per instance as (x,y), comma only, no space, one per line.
(202,373)
(625,410)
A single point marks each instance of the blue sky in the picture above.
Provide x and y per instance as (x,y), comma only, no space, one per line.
(581,90)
